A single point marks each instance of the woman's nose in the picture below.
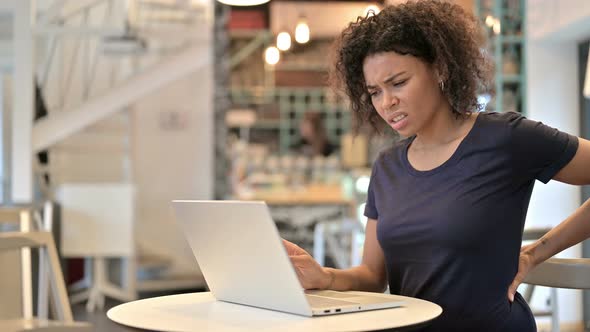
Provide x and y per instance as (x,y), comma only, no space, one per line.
(389,100)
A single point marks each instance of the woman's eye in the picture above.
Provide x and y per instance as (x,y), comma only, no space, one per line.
(373,93)
(400,83)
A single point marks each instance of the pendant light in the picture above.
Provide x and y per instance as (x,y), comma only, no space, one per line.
(243,2)
(283,41)
(302,31)
(272,55)
(372,10)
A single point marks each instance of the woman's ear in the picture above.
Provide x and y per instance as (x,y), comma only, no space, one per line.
(437,75)
(440,72)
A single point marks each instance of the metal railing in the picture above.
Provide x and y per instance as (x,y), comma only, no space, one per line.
(103,47)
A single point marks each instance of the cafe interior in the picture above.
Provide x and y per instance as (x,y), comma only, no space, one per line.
(111,109)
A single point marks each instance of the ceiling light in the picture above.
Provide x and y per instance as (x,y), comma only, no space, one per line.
(272,55)
(243,2)
(372,8)
(302,31)
(283,41)
(497,27)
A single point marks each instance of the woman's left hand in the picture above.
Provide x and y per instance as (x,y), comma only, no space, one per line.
(526,263)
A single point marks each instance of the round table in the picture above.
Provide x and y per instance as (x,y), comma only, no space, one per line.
(202,312)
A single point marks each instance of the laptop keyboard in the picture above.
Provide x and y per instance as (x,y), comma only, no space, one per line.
(320,301)
(335,294)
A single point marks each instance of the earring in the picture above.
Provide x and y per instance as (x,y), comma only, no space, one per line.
(441,84)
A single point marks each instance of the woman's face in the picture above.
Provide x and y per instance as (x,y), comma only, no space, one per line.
(404,90)
(306,129)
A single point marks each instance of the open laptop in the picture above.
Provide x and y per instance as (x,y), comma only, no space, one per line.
(244,261)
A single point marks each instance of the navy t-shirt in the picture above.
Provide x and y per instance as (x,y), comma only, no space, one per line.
(452,235)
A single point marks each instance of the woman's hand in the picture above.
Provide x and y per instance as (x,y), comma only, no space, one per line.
(311,275)
(526,263)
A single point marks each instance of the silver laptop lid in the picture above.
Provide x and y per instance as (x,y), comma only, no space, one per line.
(241,255)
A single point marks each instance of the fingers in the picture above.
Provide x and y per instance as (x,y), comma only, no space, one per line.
(524,248)
(307,270)
(293,249)
(300,260)
(289,245)
(513,287)
(304,263)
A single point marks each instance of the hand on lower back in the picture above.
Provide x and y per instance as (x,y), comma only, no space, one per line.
(525,265)
(311,275)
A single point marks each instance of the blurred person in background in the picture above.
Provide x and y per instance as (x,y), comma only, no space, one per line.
(446,205)
(314,139)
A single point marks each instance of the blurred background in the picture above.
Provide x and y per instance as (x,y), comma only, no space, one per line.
(110,109)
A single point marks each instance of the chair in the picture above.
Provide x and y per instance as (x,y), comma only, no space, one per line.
(573,273)
(16,300)
(26,217)
(49,269)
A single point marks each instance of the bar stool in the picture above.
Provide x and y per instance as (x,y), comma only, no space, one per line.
(47,253)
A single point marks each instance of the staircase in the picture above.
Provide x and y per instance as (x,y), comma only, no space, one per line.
(106,143)
(90,85)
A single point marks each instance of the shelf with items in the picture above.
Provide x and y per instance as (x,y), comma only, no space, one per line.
(505,22)
(267,124)
(514,39)
(280,110)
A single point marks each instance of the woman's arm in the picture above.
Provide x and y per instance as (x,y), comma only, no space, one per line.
(571,231)
(576,228)
(370,275)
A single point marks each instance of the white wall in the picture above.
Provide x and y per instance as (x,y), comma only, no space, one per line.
(173,163)
(167,163)
(173,155)
(553,28)
(558,19)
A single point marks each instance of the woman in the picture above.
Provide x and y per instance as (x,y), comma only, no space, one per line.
(314,139)
(446,206)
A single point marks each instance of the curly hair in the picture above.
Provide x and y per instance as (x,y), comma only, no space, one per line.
(438,32)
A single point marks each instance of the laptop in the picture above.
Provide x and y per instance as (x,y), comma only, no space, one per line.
(244,261)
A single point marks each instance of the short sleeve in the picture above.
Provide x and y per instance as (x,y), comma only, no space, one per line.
(538,150)
(370,207)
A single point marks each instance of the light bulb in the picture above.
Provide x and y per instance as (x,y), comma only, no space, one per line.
(372,8)
(497,27)
(362,184)
(272,55)
(283,41)
(302,32)
(243,2)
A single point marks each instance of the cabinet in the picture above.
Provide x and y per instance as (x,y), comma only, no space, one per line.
(505,23)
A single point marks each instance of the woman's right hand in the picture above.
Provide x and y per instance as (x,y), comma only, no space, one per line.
(310,273)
